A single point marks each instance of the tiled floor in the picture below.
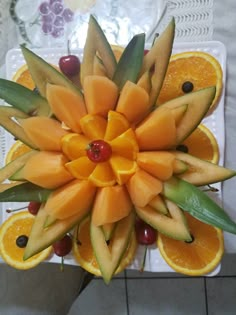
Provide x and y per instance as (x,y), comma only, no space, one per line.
(161,294)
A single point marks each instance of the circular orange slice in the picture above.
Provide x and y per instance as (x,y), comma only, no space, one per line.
(202,144)
(83,251)
(191,71)
(16,150)
(23,77)
(17,225)
(197,258)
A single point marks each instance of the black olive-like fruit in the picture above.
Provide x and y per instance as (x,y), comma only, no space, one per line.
(182,148)
(187,87)
(21,241)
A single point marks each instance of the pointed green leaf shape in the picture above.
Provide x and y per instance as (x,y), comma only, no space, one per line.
(174,226)
(200,172)
(130,63)
(23,98)
(96,41)
(41,237)
(6,121)
(108,261)
(25,192)
(11,168)
(198,204)
(42,73)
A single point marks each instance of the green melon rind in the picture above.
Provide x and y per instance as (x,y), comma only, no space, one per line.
(43,73)
(109,261)
(200,172)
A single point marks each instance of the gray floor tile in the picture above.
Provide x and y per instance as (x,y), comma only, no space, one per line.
(221,294)
(166,296)
(137,274)
(101,299)
(228,265)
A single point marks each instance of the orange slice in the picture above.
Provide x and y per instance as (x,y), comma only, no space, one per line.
(81,168)
(84,255)
(116,125)
(123,168)
(16,225)
(202,144)
(199,68)
(16,150)
(93,126)
(23,77)
(198,257)
(74,145)
(102,175)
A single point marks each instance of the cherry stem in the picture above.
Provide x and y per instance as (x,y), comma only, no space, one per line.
(62,264)
(144,259)
(15,210)
(68,47)
(210,188)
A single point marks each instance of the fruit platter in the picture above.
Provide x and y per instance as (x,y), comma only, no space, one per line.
(120,172)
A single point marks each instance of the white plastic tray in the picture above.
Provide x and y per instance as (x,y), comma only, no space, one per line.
(215,122)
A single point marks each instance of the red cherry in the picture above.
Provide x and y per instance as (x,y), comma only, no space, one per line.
(145,234)
(99,151)
(145,51)
(69,65)
(33,207)
(63,246)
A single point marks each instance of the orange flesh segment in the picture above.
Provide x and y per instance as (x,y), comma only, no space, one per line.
(74,145)
(157,131)
(67,106)
(81,168)
(102,175)
(125,145)
(73,198)
(133,102)
(47,169)
(116,125)
(111,204)
(100,94)
(93,126)
(143,187)
(158,164)
(123,168)
(44,132)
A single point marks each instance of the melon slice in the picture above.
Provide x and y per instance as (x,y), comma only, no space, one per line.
(98,67)
(100,95)
(133,102)
(145,81)
(66,105)
(112,203)
(108,230)
(143,187)
(157,131)
(74,198)
(158,164)
(174,226)
(158,204)
(44,132)
(47,169)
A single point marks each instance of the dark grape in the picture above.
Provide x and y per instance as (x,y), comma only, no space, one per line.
(57,32)
(47,28)
(49,18)
(63,246)
(56,7)
(44,8)
(53,1)
(59,21)
(68,15)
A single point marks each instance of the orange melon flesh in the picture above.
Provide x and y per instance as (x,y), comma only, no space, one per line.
(116,125)
(125,145)
(158,163)
(143,187)
(74,198)
(133,102)
(158,204)
(93,126)
(178,113)
(44,132)
(67,106)
(102,175)
(81,168)
(47,169)
(111,204)
(74,145)
(100,94)
(98,67)
(157,131)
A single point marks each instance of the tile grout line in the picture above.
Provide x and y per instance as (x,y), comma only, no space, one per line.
(126,293)
(206,297)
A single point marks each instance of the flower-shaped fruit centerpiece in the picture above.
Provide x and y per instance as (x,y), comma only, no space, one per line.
(106,150)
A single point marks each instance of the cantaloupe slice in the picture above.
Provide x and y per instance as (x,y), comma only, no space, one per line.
(98,67)
(93,126)
(71,199)
(100,94)
(143,187)
(111,204)
(66,105)
(145,81)
(44,132)
(47,169)
(179,112)
(74,145)
(157,131)
(133,102)
(158,204)
(157,163)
